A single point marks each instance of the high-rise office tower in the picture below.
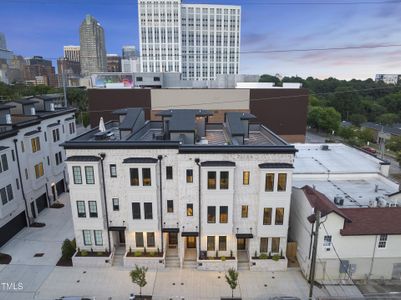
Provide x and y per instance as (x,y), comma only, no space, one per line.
(72,53)
(199,40)
(93,49)
(3,44)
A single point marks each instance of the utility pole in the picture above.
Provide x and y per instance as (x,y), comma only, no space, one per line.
(314,254)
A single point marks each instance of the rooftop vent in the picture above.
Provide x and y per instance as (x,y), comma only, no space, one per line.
(338,200)
(325,147)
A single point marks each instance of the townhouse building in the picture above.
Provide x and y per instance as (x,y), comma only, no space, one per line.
(360,234)
(182,187)
(32,162)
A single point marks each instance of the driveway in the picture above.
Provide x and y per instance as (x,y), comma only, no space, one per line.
(32,271)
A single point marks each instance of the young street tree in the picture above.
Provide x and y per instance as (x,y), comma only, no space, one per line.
(138,276)
(232,280)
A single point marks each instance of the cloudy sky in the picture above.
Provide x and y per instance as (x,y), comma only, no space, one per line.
(43,27)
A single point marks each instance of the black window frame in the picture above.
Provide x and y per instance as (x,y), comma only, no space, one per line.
(211,243)
(82,214)
(74,174)
(190,175)
(190,206)
(148,210)
(113,170)
(170,206)
(211,214)
(145,177)
(139,237)
(150,236)
(222,243)
(136,210)
(223,209)
(134,176)
(224,185)
(91,172)
(116,207)
(169,172)
(92,214)
(211,182)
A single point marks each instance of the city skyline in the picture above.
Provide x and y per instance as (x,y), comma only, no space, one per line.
(264,27)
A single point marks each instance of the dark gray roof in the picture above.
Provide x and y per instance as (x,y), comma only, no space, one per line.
(121,111)
(3,148)
(234,122)
(276,166)
(140,160)
(4,106)
(394,129)
(48,97)
(83,158)
(218,164)
(25,101)
(31,132)
(130,119)
(183,119)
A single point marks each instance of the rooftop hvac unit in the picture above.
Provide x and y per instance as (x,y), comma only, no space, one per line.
(33,112)
(338,200)
(51,106)
(324,147)
(8,119)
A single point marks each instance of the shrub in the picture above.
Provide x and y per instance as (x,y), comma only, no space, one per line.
(263,256)
(231,253)
(223,258)
(99,253)
(68,249)
(84,253)
(276,257)
(152,254)
(137,253)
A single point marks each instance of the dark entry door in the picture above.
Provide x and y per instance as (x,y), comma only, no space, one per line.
(41,203)
(191,242)
(172,239)
(241,244)
(121,237)
(33,209)
(60,187)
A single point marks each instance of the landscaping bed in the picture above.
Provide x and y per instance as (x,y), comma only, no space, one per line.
(143,254)
(84,253)
(266,262)
(64,262)
(57,205)
(37,225)
(151,260)
(85,258)
(219,264)
(5,259)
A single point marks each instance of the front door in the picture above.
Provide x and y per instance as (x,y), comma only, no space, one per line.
(241,244)
(191,242)
(121,237)
(172,239)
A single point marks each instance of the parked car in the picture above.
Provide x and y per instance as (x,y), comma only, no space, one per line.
(369,149)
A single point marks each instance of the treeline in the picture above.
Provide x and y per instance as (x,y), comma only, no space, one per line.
(77,97)
(356,101)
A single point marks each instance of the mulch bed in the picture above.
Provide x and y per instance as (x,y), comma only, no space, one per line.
(64,262)
(5,259)
(38,225)
(93,254)
(57,205)
(147,254)
(143,297)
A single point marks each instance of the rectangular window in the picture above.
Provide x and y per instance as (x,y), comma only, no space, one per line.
(26,173)
(35,142)
(222,243)
(148,210)
(56,135)
(17,183)
(224,180)
(246,177)
(113,171)
(98,237)
(170,206)
(282,182)
(76,171)
(150,239)
(87,237)
(116,204)
(58,157)
(211,180)
(134,175)
(3,163)
(89,175)
(139,239)
(279,220)
(327,241)
(267,216)
(382,241)
(210,243)
(211,214)
(39,170)
(10,192)
(22,146)
(263,245)
(136,210)
(92,209)
(3,195)
(81,209)
(190,176)
(269,183)
(190,210)
(275,245)
(223,214)
(146,181)
(244,211)
(169,172)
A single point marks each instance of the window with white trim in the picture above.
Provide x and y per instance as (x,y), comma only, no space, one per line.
(327,242)
(98,237)
(87,237)
(382,241)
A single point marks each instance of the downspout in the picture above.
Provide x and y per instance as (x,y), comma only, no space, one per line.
(160,157)
(102,156)
(21,183)
(373,258)
(197,161)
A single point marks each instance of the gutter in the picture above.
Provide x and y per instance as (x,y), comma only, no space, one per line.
(102,156)
(21,183)
(160,157)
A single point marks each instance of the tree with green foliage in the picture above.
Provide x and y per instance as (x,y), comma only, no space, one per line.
(346,132)
(138,276)
(68,248)
(357,119)
(366,135)
(270,78)
(398,158)
(232,280)
(394,143)
(324,118)
(387,119)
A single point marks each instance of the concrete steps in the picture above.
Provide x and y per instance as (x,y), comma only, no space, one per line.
(243,266)
(118,259)
(189,264)
(172,262)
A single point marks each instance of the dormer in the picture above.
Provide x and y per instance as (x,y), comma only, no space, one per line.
(5,113)
(23,107)
(130,119)
(238,125)
(46,102)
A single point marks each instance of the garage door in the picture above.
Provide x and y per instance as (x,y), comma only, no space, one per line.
(41,203)
(60,187)
(396,271)
(12,228)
